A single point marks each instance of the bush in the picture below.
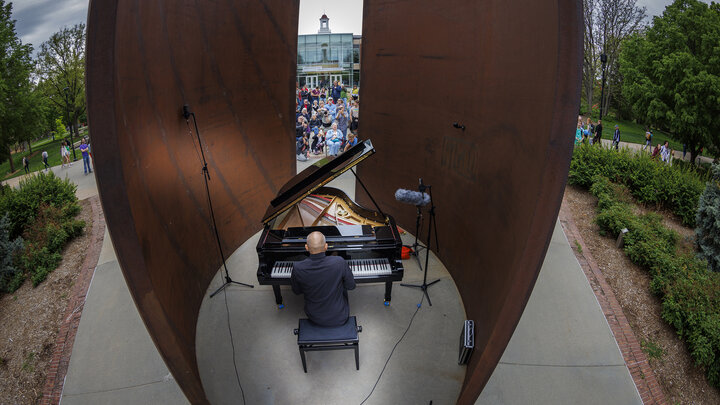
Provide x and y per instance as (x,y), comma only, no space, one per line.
(46,237)
(690,293)
(43,211)
(708,222)
(40,189)
(676,188)
(10,276)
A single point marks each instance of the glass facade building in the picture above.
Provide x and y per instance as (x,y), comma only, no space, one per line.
(326,57)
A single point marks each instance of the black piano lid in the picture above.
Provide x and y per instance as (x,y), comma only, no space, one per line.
(317,175)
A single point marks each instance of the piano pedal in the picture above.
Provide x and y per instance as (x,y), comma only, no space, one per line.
(386,303)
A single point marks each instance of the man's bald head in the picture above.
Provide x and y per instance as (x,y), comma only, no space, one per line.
(316,243)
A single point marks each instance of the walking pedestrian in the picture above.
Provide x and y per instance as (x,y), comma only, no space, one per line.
(45,160)
(616,137)
(26,164)
(598,133)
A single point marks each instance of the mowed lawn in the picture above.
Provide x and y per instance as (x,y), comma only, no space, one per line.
(36,163)
(635,133)
(46,144)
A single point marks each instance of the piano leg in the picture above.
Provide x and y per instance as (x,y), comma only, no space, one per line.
(278,296)
(388,292)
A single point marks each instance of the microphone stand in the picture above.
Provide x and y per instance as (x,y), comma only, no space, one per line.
(206,176)
(416,246)
(424,286)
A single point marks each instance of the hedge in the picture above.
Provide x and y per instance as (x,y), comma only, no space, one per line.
(42,211)
(675,187)
(690,294)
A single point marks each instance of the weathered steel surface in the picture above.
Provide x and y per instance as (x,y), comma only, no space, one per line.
(510,72)
(233,62)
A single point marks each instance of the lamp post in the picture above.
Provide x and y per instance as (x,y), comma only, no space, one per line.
(66,90)
(603,59)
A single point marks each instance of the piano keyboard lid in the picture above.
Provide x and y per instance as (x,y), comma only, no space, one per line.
(317,175)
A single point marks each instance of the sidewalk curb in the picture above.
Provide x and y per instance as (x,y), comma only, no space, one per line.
(66,336)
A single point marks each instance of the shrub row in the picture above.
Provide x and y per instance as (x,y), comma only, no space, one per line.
(690,294)
(39,219)
(676,188)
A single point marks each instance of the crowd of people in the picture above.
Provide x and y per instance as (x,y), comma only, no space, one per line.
(326,120)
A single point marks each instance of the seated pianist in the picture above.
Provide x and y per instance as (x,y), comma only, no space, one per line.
(324,280)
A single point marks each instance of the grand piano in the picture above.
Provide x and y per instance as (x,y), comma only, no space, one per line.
(369,240)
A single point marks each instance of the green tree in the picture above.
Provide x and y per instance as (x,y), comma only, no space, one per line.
(672,74)
(18,100)
(61,68)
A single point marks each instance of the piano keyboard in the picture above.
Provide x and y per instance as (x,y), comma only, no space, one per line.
(360,268)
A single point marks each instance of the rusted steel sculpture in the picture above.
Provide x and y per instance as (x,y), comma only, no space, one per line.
(507,71)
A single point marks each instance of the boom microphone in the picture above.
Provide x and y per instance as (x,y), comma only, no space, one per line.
(412,197)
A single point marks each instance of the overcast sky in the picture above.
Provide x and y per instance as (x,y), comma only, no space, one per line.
(38,19)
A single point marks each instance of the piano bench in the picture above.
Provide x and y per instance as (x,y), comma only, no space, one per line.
(313,337)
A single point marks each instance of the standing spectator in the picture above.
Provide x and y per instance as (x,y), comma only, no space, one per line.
(304,92)
(336,90)
(85,149)
(333,139)
(331,108)
(355,92)
(589,129)
(579,134)
(315,95)
(26,164)
(342,120)
(354,116)
(598,133)
(299,127)
(616,137)
(45,160)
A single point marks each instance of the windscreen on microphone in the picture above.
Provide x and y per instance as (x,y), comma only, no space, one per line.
(412,197)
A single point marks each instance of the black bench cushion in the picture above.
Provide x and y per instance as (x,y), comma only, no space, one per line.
(310,333)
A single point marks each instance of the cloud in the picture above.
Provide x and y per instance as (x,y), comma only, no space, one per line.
(37,20)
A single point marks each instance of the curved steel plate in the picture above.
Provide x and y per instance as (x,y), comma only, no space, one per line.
(508,71)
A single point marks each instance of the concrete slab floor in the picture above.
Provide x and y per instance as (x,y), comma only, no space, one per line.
(422,368)
(562,351)
(114,361)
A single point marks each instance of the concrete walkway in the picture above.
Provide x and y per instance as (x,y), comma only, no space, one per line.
(562,351)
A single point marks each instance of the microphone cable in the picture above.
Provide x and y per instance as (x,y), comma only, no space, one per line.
(227,307)
(393,349)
